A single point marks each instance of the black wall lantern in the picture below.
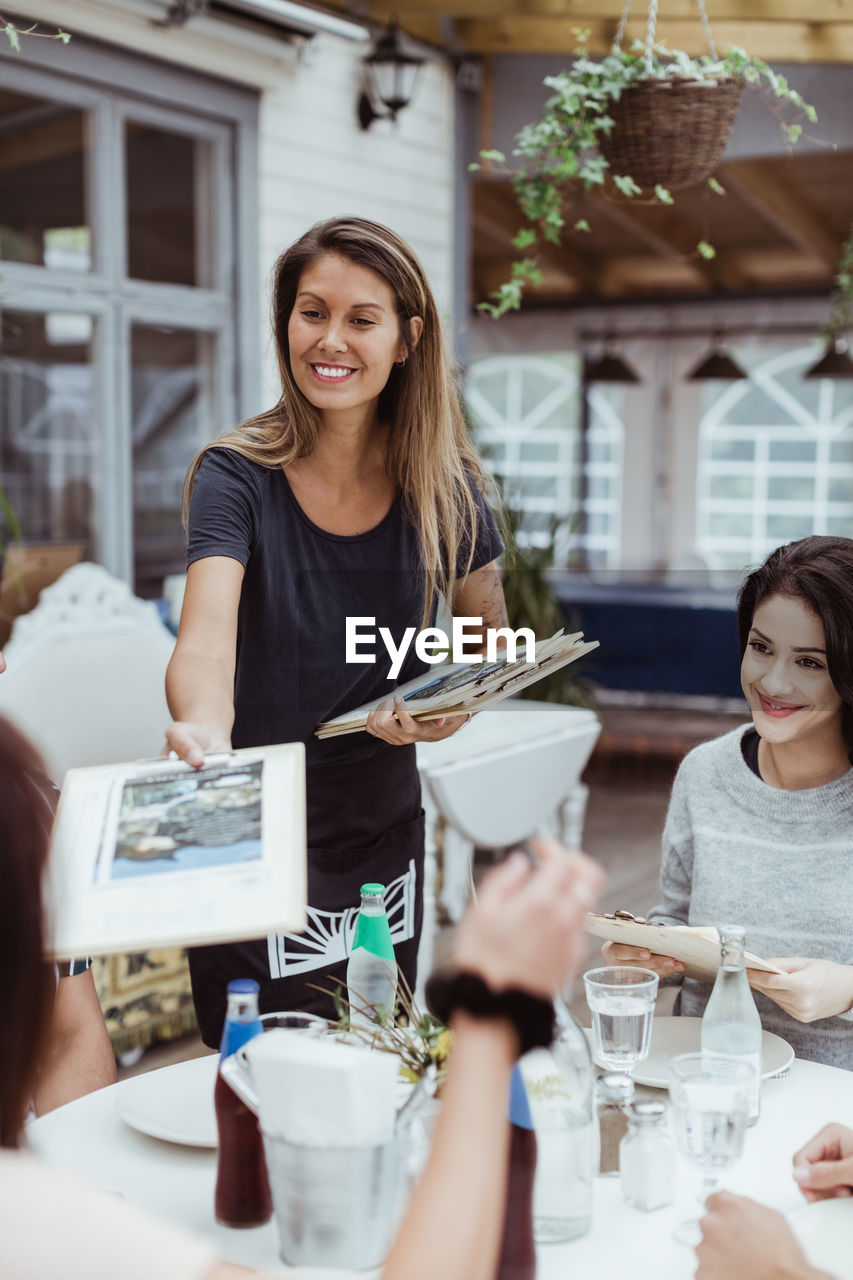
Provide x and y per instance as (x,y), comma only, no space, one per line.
(391,74)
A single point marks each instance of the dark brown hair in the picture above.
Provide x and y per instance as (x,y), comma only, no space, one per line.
(818,571)
(28,981)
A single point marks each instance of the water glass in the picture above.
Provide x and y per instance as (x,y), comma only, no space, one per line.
(709,1098)
(621,999)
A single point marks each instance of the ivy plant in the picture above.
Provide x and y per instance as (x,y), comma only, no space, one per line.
(13,33)
(561,149)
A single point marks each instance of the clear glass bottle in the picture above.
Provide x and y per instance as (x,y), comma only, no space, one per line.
(560,1089)
(372,968)
(242,1197)
(647,1158)
(615,1093)
(731,1027)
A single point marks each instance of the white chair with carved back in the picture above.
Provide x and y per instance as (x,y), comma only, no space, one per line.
(85,681)
(85,672)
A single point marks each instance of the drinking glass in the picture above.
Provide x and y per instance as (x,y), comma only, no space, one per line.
(621,999)
(709,1098)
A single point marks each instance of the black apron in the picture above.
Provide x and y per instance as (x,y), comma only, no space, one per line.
(365,823)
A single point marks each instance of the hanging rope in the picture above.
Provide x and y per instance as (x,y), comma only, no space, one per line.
(712,48)
(650,36)
(620,30)
(651,25)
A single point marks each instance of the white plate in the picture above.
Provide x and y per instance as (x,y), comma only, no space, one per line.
(671,1036)
(175,1104)
(825,1230)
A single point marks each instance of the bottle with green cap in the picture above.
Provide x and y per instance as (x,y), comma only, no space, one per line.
(372,968)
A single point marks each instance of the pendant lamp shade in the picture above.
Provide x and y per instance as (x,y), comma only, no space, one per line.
(834,363)
(717,365)
(609,367)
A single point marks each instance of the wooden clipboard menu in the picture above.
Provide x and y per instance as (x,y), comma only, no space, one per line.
(697,947)
(155,854)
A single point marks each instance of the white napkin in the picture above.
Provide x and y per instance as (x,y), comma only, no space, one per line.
(316,1092)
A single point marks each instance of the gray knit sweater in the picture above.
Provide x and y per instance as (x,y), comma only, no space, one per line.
(780,863)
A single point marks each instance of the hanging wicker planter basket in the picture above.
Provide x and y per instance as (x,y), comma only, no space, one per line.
(671,132)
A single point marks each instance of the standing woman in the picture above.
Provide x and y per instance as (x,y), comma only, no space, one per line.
(759,830)
(358,495)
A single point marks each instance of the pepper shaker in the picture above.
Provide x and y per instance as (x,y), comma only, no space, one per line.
(615,1092)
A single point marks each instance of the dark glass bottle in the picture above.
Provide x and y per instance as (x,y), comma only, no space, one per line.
(517,1260)
(242,1197)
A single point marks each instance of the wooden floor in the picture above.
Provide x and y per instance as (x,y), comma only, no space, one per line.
(622,832)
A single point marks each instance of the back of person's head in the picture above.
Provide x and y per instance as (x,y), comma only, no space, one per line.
(26,980)
(819,572)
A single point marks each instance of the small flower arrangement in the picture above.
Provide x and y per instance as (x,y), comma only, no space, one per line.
(419,1040)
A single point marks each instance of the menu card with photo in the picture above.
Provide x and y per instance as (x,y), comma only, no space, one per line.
(155,853)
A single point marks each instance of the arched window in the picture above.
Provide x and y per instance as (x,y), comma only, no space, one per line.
(525,411)
(775,461)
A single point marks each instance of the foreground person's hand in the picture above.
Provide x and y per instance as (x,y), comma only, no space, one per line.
(744,1240)
(823,1168)
(526,927)
(619,953)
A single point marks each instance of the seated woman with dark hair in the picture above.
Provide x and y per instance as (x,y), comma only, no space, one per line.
(760,824)
(524,932)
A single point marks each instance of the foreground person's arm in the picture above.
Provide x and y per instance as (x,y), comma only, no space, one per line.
(525,932)
(78,1056)
(452,1228)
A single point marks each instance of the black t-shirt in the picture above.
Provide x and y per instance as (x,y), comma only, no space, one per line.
(300,585)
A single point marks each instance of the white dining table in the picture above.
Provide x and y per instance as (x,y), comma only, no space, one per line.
(177,1181)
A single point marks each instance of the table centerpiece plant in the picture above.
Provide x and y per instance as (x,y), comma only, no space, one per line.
(420,1041)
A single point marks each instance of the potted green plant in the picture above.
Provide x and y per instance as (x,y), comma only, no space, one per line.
(634,125)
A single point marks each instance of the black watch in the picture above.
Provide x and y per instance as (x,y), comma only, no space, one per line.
(532,1016)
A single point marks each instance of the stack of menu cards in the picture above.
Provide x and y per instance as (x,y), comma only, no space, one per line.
(696,946)
(156,853)
(461,688)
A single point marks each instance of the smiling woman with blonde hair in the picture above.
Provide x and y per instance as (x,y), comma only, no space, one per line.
(759,830)
(360,495)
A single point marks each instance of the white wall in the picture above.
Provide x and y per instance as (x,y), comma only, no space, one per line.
(314,159)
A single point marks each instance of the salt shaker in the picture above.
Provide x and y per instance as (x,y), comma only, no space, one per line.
(647,1157)
(615,1092)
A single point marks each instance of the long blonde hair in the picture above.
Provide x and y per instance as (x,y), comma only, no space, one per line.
(430,457)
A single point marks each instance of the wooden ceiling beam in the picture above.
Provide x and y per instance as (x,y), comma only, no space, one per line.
(592,11)
(644,273)
(758,184)
(776,41)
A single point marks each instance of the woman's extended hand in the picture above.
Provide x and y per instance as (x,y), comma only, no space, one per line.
(192,742)
(391,722)
(525,928)
(809,989)
(823,1168)
(619,953)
